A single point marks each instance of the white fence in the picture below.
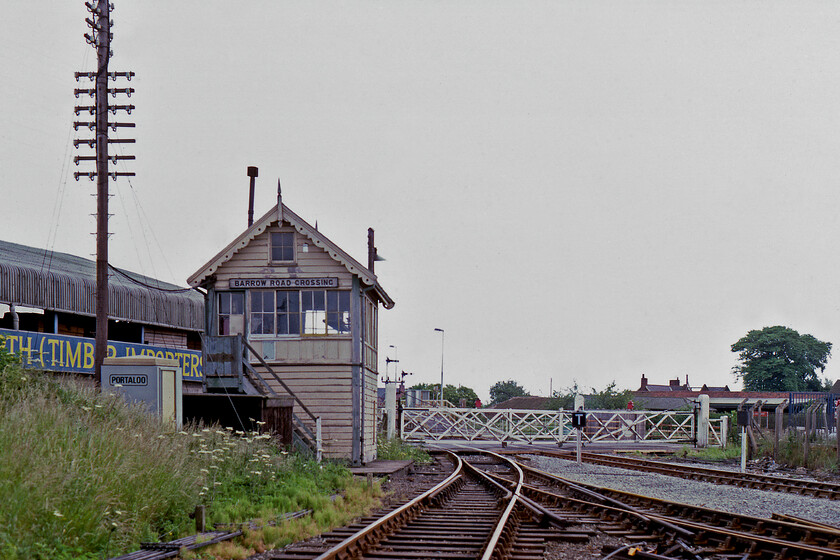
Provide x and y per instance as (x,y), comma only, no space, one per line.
(533,426)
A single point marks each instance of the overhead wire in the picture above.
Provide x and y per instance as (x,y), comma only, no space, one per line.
(149,286)
(55,218)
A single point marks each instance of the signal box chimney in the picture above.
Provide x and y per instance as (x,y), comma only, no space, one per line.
(252,173)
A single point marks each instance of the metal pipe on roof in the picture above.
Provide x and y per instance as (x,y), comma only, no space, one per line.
(253,173)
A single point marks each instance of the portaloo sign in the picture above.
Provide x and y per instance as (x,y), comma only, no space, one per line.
(283,282)
(128,380)
(57,352)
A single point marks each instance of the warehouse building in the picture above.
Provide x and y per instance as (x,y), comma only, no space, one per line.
(48,315)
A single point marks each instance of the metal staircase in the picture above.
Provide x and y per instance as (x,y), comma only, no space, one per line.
(227,368)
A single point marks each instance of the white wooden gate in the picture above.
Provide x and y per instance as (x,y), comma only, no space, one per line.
(529,426)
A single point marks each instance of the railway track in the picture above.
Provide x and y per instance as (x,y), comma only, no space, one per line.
(467,515)
(812,488)
(493,507)
(684,531)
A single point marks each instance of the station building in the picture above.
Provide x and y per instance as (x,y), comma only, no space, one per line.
(48,314)
(307,315)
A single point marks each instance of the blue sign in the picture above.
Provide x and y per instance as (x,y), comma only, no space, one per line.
(56,352)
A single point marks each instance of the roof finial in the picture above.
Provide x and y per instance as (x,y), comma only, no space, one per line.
(279,204)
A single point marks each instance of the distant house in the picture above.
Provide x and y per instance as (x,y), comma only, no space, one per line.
(673,385)
(676,395)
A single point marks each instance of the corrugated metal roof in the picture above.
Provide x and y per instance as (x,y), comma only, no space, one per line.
(62,282)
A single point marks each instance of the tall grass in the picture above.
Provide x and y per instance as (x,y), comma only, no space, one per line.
(396,449)
(822,454)
(85,475)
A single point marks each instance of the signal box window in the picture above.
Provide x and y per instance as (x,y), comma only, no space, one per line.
(306,312)
(231,313)
(262,312)
(282,247)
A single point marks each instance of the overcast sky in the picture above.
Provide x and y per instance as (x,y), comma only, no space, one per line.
(573,191)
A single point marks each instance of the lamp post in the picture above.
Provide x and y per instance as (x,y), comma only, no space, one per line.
(441,365)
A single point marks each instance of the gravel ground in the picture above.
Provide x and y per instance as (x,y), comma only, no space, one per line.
(743,501)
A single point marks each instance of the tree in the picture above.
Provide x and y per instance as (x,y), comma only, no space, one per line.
(504,390)
(564,400)
(608,399)
(455,394)
(780,359)
(450,393)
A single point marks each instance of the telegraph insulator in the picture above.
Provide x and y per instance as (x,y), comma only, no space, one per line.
(89,174)
(126,108)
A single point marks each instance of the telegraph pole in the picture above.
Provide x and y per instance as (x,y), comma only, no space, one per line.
(103,55)
(100,38)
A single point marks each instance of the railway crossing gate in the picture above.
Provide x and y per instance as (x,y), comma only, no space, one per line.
(553,426)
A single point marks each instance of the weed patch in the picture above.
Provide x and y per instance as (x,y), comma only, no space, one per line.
(85,475)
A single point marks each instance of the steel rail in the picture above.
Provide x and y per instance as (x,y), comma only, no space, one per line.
(800,487)
(804,538)
(781,546)
(512,497)
(368,536)
(613,505)
(516,500)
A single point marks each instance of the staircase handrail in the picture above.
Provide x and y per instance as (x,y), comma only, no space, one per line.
(277,378)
